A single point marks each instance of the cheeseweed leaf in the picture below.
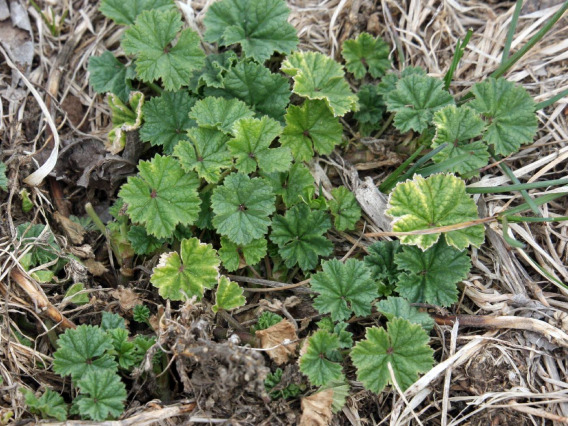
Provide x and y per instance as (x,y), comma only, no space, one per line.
(344,209)
(150,38)
(187,274)
(251,146)
(343,289)
(259,26)
(254,84)
(125,118)
(229,295)
(340,329)
(141,313)
(371,109)
(320,360)
(294,186)
(389,81)
(380,261)
(125,12)
(141,242)
(242,208)
(398,307)
(220,113)
(457,127)
(510,111)
(103,395)
(230,253)
(415,100)
(166,119)
(430,276)
(366,54)
(83,350)
(317,76)
(163,196)
(206,153)
(299,235)
(266,320)
(50,404)
(439,200)
(108,74)
(311,127)
(124,350)
(212,72)
(403,345)
(110,321)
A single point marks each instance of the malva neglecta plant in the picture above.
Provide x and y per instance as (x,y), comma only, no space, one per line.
(226,183)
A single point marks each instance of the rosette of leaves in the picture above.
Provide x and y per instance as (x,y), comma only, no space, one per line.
(436,201)
(366,54)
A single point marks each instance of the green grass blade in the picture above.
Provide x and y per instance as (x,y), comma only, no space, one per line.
(510,240)
(443,166)
(538,201)
(524,193)
(392,179)
(510,188)
(536,219)
(548,102)
(460,48)
(512,29)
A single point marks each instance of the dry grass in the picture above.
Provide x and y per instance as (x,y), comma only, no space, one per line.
(513,373)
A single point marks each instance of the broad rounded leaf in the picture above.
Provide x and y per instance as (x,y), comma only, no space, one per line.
(125,11)
(510,111)
(108,74)
(229,295)
(232,254)
(216,64)
(344,209)
(187,274)
(403,345)
(295,185)
(317,76)
(319,360)
(371,109)
(380,261)
(439,200)
(389,81)
(50,404)
(431,276)
(366,54)
(398,307)
(242,208)
(103,396)
(344,288)
(220,113)
(163,196)
(311,127)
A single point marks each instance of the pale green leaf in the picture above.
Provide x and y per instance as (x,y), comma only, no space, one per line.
(260,27)
(125,118)
(317,76)
(311,127)
(229,295)
(398,307)
(439,200)
(206,153)
(166,119)
(150,40)
(266,320)
(431,276)
(163,196)
(242,208)
(50,404)
(343,289)
(403,345)
(415,100)
(111,321)
(344,209)
(251,146)
(232,254)
(510,112)
(319,361)
(340,393)
(125,11)
(77,299)
(220,113)
(103,396)
(366,54)
(187,274)
(108,74)
(295,185)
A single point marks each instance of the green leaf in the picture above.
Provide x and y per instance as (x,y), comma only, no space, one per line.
(230,253)
(124,350)
(344,288)
(398,307)
(457,127)
(380,261)
(163,196)
(166,119)
(77,299)
(220,113)
(242,208)
(299,235)
(339,329)
(316,363)
(44,247)
(83,350)
(311,127)
(510,111)
(150,40)
(254,84)
(205,219)
(141,242)
(125,12)
(108,74)
(371,109)
(344,209)
(27,203)
(266,320)
(103,396)
(206,153)
(403,345)
(251,146)
(439,200)
(317,76)
(415,100)
(112,321)
(340,393)
(389,81)
(141,313)
(216,64)
(259,26)
(430,276)
(294,186)
(125,118)
(187,274)
(366,54)
(3,178)
(50,404)
(229,295)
